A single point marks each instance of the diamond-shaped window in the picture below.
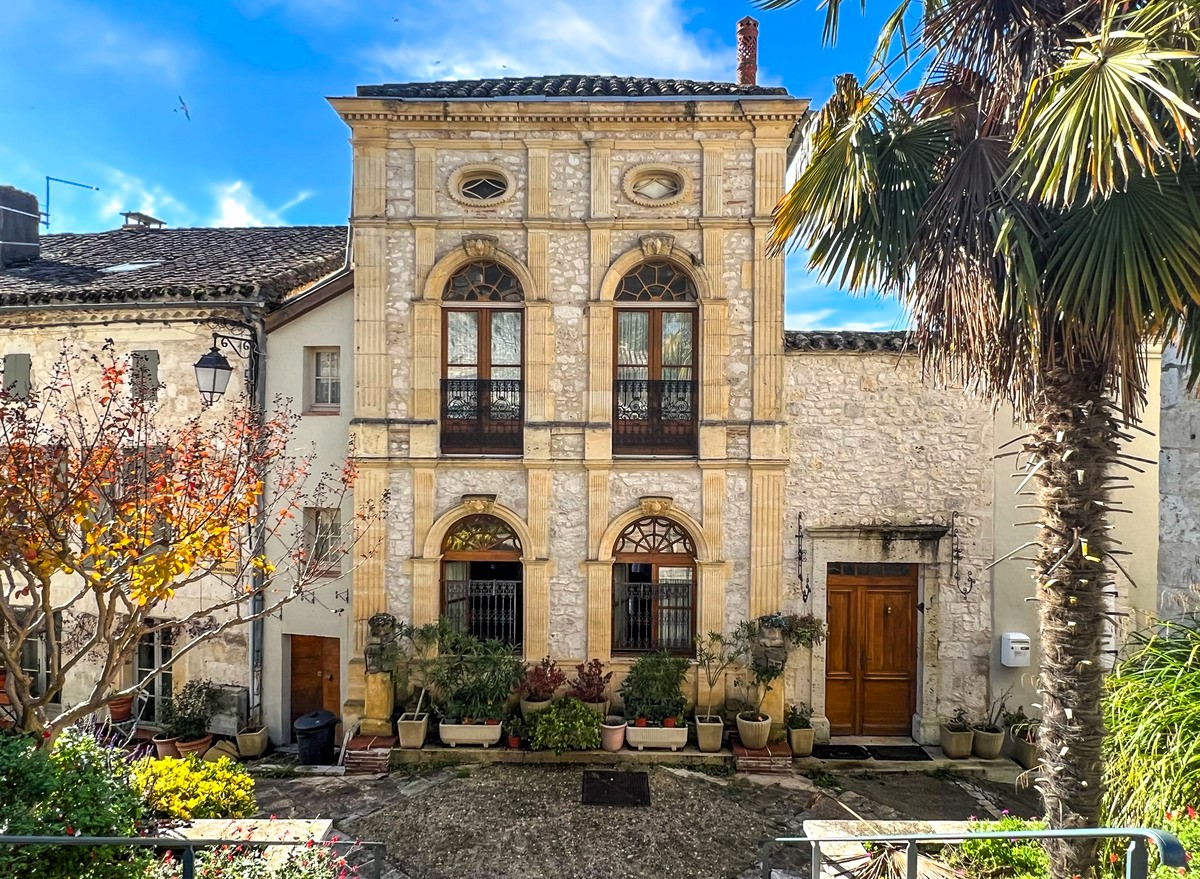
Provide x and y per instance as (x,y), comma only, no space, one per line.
(484,187)
(657,187)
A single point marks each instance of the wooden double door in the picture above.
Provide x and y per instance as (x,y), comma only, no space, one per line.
(871,660)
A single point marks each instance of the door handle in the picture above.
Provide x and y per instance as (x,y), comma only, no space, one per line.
(863,660)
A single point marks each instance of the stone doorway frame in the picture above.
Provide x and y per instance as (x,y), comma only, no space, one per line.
(899,544)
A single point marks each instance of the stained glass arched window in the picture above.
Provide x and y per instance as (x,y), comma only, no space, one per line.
(483,281)
(481,534)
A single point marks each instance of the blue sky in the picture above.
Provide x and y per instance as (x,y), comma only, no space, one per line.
(90,91)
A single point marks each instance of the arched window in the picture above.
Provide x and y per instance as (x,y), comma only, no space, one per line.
(482,352)
(482,579)
(654,588)
(654,388)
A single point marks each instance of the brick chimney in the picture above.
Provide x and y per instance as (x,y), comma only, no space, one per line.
(19,219)
(747,51)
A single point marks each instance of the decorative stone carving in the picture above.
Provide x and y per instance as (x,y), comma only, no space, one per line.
(480,246)
(478,504)
(655,505)
(657,244)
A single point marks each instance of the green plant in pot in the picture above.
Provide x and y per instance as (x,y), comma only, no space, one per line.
(415,651)
(798,721)
(475,679)
(189,713)
(987,740)
(715,653)
(1022,732)
(956,735)
(766,667)
(567,725)
(653,695)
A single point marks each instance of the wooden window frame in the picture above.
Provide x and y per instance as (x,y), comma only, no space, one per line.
(311,359)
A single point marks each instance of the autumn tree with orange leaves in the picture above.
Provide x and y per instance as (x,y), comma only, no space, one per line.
(109,511)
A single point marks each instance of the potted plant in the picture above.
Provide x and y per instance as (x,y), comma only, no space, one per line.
(475,679)
(956,735)
(539,685)
(120,708)
(799,729)
(1022,737)
(413,726)
(612,732)
(515,729)
(715,653)
(795,630)
(754,725)
(588,685)
(652,692)
(988,739)
(188,715)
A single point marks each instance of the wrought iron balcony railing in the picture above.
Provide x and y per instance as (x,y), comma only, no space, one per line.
(654,616)
(482,416)
(654,417)
(486,609)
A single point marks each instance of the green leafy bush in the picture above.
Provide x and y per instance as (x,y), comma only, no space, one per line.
(653,688)
(567,725)
(193,788)
(1010,858)
(78,788)
(1184,824)
(1152,752)
(315,860)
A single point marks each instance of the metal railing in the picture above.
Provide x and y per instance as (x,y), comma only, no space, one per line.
(187,847)
(486,609)
(1137,857)
(482,416)
(653,616)
(654,417)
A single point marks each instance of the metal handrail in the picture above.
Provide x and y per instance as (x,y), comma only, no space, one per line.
(1137,859)
(189,846)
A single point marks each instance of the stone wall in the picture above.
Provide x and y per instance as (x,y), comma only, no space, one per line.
(1179,490)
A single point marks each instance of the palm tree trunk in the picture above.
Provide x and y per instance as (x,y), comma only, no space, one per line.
(1076,441)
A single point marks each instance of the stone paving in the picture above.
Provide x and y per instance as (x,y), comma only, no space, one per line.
(526,822)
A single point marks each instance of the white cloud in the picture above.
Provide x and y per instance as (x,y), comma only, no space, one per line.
(236,205)
(516,38)
(120,191)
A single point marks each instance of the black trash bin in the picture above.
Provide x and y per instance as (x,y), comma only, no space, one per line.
(314,736)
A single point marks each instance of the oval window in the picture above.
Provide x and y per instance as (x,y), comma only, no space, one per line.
(655,185)
(481,185)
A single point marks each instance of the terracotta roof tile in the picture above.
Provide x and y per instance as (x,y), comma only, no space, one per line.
(149,264)
(566,86)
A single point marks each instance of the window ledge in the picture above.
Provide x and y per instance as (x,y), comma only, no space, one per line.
(307,412)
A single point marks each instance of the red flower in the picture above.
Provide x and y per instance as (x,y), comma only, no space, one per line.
(1113,858)
(1191,812)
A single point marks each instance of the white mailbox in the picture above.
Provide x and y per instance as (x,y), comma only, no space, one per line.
(1014,649)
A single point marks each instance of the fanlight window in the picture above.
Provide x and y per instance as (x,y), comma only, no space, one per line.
(483,281)
(481,533)
(482,187)
(656,281)
(655,535)
(657,187)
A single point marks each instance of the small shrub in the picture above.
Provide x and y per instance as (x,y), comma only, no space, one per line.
(653,687)
(589,682)
(193,788)
(78,788)
(542,680)
(314,860)
(1012,858)
(567,725)
(822,778)
(958,722)
(189,712)
(799,716)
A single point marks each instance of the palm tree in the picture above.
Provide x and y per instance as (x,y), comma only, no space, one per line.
(1033,202)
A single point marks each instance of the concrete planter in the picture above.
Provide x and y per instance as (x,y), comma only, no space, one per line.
(252,743)
(600,708)
(455,734)
(987,745)
(709,733)
(754,733)
(642,737)
(801,742)
(412,729)
(1025,753)
(527,707)
(612,733)
(955,745)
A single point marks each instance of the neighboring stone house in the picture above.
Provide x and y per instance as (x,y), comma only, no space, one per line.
(163,293)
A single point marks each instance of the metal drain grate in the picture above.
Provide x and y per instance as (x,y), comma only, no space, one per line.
(604,788)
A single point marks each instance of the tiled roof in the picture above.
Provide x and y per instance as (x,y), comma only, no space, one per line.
(175,264)
(566,86)
(844,340)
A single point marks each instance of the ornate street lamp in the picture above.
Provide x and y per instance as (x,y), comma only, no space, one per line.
(212,376)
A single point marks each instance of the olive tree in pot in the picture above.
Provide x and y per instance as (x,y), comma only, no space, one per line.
(416,647)
(653,695)
(589,684)
(715,653)
(799,729)
(539,685)
(774,635)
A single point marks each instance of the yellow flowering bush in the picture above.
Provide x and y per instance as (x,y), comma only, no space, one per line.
(192,788)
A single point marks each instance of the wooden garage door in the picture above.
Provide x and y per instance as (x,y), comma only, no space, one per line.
(871,661)
(316,675)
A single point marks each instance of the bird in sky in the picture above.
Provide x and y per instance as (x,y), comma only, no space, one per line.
(182,106)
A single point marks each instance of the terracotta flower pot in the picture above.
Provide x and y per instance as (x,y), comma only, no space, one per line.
(197,746)
(754,733)
(514,743)
(800,741)
(641,721)
(165,746)
(120,709)
(612,733)
(491,721)
(668,722)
